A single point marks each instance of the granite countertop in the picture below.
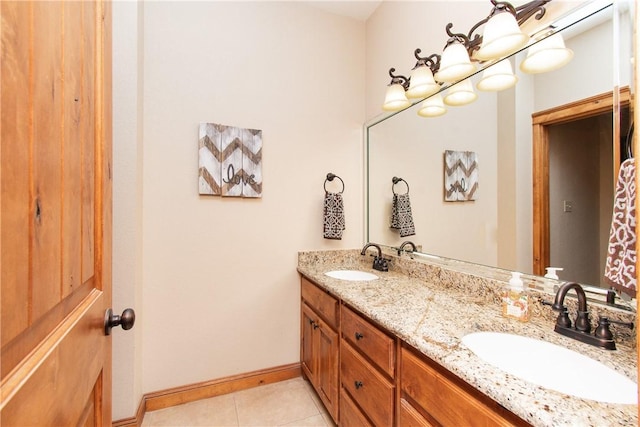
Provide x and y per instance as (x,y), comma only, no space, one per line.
(433,319)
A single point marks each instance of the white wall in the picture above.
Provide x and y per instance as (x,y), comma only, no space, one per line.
(127,202)
(219,288)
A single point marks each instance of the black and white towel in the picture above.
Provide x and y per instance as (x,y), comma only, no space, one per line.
(401,217)
(334,223)
(620,269)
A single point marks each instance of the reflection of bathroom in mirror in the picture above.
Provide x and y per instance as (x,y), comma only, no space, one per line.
(497,228)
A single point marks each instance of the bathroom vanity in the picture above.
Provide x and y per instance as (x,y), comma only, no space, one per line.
(389,351)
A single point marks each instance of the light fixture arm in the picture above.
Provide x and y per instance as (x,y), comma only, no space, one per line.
(432,61)
(398,79)
(456,37)
(527,10)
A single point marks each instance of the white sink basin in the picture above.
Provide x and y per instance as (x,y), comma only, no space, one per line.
(553,367)
(353,275)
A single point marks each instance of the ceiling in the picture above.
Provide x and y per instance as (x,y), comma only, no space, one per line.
(357,9)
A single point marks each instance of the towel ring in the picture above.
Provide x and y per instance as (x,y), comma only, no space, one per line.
(330,177)
(396,180)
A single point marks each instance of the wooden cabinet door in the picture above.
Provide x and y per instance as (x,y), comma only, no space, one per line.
(327,353)
(55,199)
(307,356)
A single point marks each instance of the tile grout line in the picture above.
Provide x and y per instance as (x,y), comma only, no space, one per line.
(235,406)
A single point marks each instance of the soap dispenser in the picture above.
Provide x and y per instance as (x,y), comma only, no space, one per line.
(515,300)
(552,272)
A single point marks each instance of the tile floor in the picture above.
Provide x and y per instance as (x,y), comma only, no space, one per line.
(287,403)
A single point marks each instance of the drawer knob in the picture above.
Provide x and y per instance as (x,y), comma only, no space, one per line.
(359,336)
(358,384)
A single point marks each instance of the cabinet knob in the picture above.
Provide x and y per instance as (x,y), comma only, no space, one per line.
(358,384)
(359,336)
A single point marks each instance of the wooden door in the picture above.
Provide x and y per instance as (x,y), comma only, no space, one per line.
(55,213)
(588,107)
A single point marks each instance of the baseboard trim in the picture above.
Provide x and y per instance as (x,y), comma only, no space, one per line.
(135,421)
(207,389)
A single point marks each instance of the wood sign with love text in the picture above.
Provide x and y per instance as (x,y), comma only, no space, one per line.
(230,161)
(460,176)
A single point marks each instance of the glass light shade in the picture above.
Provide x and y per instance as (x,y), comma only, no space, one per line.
(422,83)
(501,37)
(460,94)
(432,107)
(395,98)
(547,55)
(454,64)
(497,77)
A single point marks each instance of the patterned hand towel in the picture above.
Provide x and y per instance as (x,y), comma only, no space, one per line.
(620,270)
(401,217)
(334,223)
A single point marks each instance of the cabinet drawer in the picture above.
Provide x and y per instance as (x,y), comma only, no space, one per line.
(323,303)
(446,401)
(369,340)
(350,415)
(368,387)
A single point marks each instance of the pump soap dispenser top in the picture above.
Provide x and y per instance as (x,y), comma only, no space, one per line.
(551,272)
(515,301)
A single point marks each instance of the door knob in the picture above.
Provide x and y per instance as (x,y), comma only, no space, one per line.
(126,320)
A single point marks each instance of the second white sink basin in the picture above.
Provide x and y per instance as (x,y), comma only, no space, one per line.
(353,275)
(553,367)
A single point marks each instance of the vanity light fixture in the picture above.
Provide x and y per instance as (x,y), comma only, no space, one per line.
(546,55)
(395,98)
(498,77)
(460,94)
(502,37)
(432,106)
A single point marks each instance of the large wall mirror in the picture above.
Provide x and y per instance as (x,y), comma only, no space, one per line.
(499,228)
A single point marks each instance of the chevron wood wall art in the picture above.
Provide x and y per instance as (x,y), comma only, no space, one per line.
(229,161)
(460,176)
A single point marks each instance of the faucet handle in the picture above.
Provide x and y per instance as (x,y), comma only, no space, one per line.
(563,318)
(603,331)
(617,322)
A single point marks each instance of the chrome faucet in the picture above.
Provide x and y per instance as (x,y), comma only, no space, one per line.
(581,331)
(401,248)
(379,263)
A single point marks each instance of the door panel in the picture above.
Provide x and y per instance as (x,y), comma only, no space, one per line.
(55,198)
(53,384)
